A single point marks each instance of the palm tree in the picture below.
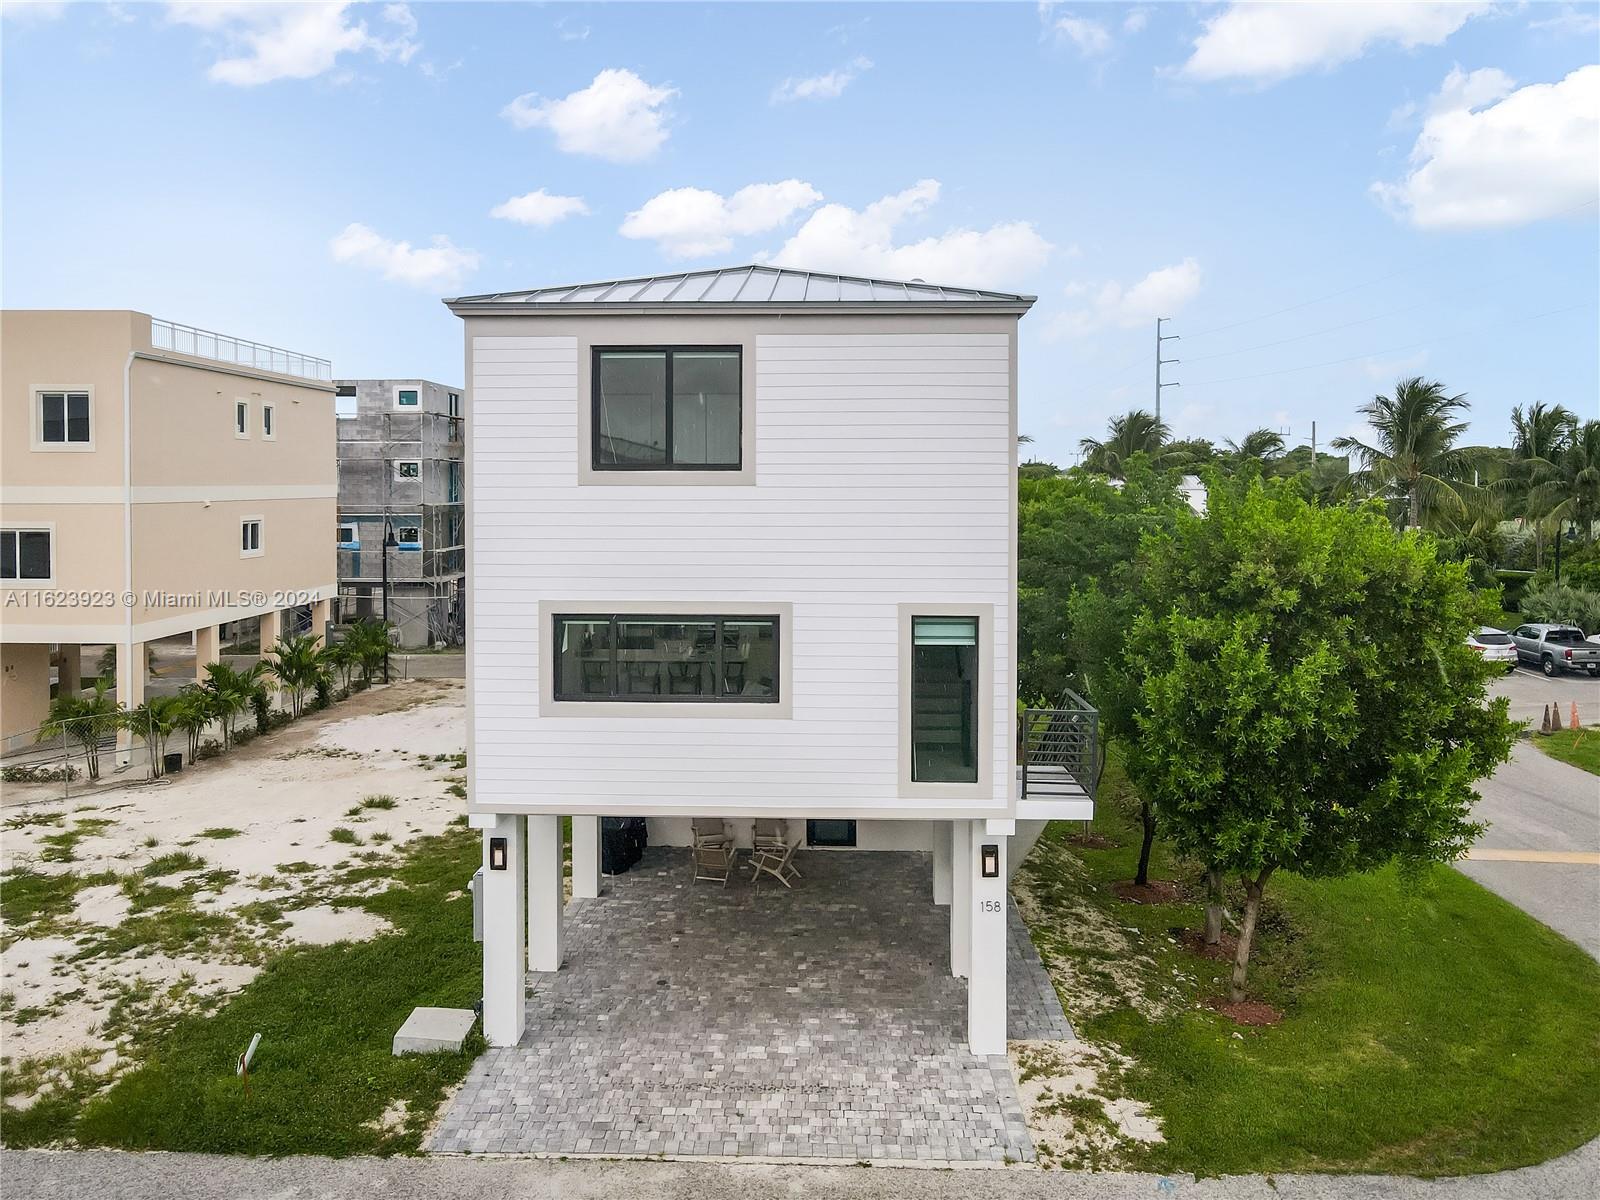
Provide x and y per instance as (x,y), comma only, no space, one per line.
(87,720)
(196,709)
(1136,432)
(1263,445)
(1415,462)
(299,663)
(368,640)
(1568,489)
(154,720)
(232,692)
(1538,437)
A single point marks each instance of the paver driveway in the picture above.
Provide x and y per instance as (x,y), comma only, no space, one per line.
(817,1023)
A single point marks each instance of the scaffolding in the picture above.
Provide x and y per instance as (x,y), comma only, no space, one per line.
(401,491)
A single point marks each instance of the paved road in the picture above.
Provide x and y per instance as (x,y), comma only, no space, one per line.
(1529,691)
(41,1175)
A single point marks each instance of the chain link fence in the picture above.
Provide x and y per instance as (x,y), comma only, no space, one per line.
(77,757)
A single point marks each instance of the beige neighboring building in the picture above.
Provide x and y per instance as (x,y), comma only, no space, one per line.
(155,480)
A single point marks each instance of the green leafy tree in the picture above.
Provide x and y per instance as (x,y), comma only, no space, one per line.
(85,719)
(1136,432)
(1259,445)
(1415,461)
(232,692)
(299,663)
(1567,489)
(1306,698)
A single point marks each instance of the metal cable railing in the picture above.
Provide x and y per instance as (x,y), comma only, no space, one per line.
(1058,749)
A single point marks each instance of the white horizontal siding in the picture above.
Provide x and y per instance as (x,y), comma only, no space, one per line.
(882,477)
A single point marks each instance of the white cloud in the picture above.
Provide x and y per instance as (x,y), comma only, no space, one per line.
(1162,293)
(1136,20)
(838,238)
(571,33)
(1574,22)
(32,12)
(440,265)
(618,117)
(1268,42)
(693,222)
(540,209)
(292,41)
(821,87)
(1090,37)
(1491,156)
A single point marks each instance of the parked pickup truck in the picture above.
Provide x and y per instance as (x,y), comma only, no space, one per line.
(1556,648)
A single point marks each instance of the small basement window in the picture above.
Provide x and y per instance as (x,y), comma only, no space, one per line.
(667,408)
(25,555)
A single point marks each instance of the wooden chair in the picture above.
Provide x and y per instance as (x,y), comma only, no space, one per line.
(713,850)
(770,833)
(777,862)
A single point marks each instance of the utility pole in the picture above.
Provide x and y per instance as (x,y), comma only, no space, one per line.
(1163,362)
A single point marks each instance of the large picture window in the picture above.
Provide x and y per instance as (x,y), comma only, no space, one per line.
(663,408)
(688,659)
(944,699)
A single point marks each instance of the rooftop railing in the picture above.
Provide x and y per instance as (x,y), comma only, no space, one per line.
(219,347)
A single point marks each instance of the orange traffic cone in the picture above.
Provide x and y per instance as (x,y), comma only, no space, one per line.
(1575,724)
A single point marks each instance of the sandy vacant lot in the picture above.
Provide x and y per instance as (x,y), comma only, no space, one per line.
(142,903)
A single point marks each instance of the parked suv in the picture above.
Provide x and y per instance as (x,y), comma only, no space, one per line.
(1556,648)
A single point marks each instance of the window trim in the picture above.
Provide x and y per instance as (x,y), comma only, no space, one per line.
(36,419)
(241,419)
(984,787)
(261,536)
(395,398)
(452,404)
(703,617)
(355,402)
(668,467)
(782,708)
(415,462)
(269,421)
(47,528)
(353,542)
(407,546)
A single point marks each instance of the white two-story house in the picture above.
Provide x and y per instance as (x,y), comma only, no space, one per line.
(742,544)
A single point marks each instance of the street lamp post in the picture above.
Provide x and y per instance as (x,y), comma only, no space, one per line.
(388,542)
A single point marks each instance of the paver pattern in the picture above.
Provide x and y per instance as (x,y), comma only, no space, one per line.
(815,1023)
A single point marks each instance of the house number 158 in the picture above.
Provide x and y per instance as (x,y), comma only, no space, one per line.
(989,906)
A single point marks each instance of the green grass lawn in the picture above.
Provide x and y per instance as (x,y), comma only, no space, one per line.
(1430,1029)
(324,1078)
(1580,747)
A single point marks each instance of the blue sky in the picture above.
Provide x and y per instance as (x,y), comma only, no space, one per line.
(1323,197)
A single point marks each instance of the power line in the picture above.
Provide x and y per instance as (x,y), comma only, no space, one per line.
(1333,362)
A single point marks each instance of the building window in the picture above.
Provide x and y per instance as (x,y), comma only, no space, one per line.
(455,403)
(64,419)
(830,833)
(453,482)
(406,398)
(345,406)
(407,468)
(241,418)
(667,658)
(269,428)
(944,699)
(25,555)
(667,408)
(249,537)
(408,537)
(349,539)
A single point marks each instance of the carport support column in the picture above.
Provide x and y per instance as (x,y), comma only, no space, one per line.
(545,893)
(504,944)
(69,670)
(941,862)
(960,897)
(207,649)
(986,978)
(271,629)
(585,858)
(132,664)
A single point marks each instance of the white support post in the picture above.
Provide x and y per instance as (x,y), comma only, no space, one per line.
(960,897)
(986,977)
(941,862)
(132,664)
(585,858)
(504,934)
(207,649)
(266,640)
(545,893)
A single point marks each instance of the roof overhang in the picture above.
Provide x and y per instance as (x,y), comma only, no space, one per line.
(467,307)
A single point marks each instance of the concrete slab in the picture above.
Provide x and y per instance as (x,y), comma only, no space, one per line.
(429,1030)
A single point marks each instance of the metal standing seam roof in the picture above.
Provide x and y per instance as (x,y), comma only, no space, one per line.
(748,287)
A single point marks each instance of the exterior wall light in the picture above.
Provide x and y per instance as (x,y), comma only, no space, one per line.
(497,854)
(991,861)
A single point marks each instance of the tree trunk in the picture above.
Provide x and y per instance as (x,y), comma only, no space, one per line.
(1147,818)
(1247,931)
(1213,906)
(1416,507)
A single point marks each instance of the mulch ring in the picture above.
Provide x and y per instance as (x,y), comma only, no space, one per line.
(1194,941)
(1157,891)
(1091,841)
(1245,1012)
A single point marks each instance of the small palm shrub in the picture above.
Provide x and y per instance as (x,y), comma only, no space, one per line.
(1560,603)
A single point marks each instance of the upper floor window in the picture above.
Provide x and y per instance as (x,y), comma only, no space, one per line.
(249,537)
(25,555)
(944,699)
(666,408)
(345,403)
(241,418)
(348,538)
(64,418)
(667,658)
(407,468)
(455,403)
(408,537)
(407,398)
(269,422)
